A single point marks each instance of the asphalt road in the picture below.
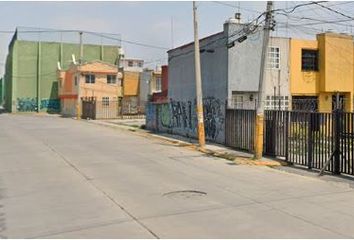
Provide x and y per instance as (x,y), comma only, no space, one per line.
(61,178)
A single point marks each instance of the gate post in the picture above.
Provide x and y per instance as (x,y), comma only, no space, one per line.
(336,165)
(287,123)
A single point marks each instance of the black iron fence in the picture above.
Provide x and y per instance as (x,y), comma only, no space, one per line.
(323,141)
(239,129)
(111,109)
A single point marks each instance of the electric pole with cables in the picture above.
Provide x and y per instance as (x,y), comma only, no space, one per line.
(261,86)
(198,80)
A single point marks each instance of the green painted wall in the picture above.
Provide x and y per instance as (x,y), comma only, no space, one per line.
(29,62)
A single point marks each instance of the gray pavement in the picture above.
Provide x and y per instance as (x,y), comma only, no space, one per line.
(62,178)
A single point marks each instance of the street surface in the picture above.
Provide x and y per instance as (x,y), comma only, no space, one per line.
(62,178)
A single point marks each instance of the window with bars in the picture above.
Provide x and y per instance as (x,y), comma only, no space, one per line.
(105,101)
(309,60)
(273,58)
(90,78)
(276,103)
(111,79)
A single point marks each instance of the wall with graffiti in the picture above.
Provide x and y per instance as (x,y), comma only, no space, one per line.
(179,117)
(30,105)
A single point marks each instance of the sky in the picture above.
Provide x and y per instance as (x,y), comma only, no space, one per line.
(151,22)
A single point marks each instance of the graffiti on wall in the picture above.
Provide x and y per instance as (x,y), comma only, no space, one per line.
(150,116)
(26,104)
(30,104)
(181,116)
(51,104)
(164,115)
(213,117)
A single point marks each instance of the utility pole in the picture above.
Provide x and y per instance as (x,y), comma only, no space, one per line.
(261,86)
(39,70)
(198,80)
(81,49)
(78,78)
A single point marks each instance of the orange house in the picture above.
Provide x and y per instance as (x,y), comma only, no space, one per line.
(92,79)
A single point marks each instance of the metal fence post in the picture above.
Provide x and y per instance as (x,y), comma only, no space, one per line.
(310,141)
(336,165)
(287,122)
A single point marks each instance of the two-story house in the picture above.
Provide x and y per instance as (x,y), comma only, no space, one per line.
(96,79)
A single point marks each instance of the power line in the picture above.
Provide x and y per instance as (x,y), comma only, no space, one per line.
(292,9)
(333,10)
(237,7)
(103,35)
(128,41)
(318,21)
(336,4)
(248,32)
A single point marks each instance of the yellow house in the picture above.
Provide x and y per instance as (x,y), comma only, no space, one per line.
(95,79)
(322,69)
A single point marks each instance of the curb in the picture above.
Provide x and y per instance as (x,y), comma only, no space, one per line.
(238,160)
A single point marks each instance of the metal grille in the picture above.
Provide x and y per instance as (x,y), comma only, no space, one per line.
(239,129)
(110,109)
(275,133)
(312,139)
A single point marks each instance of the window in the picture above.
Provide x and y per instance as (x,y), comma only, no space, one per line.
(158,84)
(140,64)
(305,103)
(273,58)
(90,78)
(130,63)
(75,80)
(105,101)
(309,60)
(111,79)
(276,102)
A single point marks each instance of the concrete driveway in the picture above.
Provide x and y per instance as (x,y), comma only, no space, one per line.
(62,178)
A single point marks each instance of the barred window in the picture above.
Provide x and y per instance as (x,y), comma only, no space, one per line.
(90,78)
(309,60)
(305,103)
(111,79)
(273,58)
(105,101)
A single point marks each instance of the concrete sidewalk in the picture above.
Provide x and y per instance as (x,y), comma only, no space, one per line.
(213,149)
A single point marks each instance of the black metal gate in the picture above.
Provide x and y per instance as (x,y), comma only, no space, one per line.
(275,133)
(239,129)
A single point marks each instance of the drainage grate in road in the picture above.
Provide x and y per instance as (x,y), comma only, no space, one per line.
(185,194)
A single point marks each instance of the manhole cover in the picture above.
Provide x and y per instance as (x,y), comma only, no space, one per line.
(185,194)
